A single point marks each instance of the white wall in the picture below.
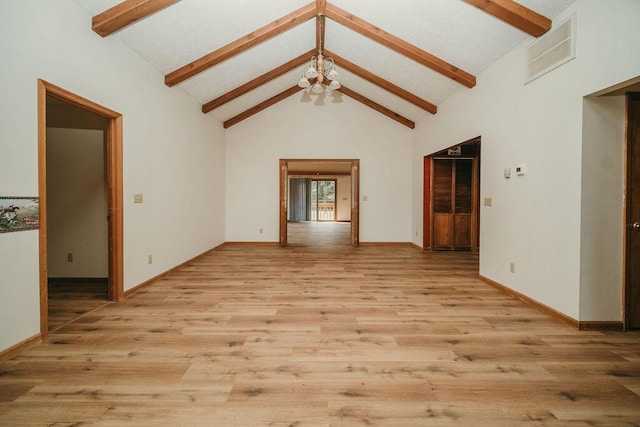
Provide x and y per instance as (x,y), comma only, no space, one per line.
(535,220)
(173,154)
(76,203)
(602,207)
(291,129)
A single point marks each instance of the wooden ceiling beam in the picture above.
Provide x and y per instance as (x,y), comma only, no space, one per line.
(257,82)
(392,42)
(242,44)
(294,89)
(382,83)
(263,105)
(321,10)
(379,108)
(515,14)
(125,14)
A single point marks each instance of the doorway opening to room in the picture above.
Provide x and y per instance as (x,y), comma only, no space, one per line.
(80,192)
(451,211)
(319,202)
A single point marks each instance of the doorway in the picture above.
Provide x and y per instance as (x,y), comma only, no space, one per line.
(111,147)
(632,214)
(324,190)
(451,216)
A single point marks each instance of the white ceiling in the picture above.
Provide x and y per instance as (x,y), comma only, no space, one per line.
(452,30)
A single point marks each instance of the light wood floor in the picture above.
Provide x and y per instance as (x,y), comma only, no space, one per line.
(71,299)
(323,336)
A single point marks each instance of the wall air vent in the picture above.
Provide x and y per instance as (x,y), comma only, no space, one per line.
(550,51)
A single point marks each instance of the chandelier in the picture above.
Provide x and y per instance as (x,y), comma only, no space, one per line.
(322,70)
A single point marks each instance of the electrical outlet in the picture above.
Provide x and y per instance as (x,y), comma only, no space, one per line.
(512,267)
(150,259)
(261,230)
(69,257)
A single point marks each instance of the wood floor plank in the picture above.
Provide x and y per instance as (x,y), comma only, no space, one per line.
(322,334)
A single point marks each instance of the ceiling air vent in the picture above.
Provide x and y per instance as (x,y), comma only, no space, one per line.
(551,50)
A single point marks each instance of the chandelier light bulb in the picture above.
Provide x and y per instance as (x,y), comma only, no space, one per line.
(333,74)
(317,88)
(304,83)
(335,84)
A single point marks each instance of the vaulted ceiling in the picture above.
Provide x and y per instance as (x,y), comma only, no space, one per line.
(401,57)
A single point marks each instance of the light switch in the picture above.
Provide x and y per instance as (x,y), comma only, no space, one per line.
(507,173)
(365,198)
(521,170)
(137,198)
(488,201)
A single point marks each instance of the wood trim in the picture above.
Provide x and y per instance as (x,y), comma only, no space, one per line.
(314,174)
(384,84)
(394,43)
(283,198)
(531,302)
(126,13)
(262,106)
(242,44)
(114,189)
(14,350)
(379,108)
(42,196)
(600,326)
(514,14)
(355,203)
(427,209)
(116,208)
(257,82)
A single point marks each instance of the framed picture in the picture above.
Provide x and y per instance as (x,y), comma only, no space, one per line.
(19,214)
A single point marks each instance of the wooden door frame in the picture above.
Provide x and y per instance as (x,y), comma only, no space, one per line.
(427,202)
(113,138)
(355,196)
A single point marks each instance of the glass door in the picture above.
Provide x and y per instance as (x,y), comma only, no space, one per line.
(323,200)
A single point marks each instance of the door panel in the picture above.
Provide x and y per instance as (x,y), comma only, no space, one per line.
(632,258)
(442,231)
(442,186)
(462,232)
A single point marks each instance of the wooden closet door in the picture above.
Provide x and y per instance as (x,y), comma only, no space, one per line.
(463,204)
(443,199)
(452,204)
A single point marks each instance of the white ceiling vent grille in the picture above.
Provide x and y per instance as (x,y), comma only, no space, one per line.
(552,50)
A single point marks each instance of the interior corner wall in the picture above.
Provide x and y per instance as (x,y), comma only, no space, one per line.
(292,129)
(601,256)
(76,204)
(535,219)
(172,153)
